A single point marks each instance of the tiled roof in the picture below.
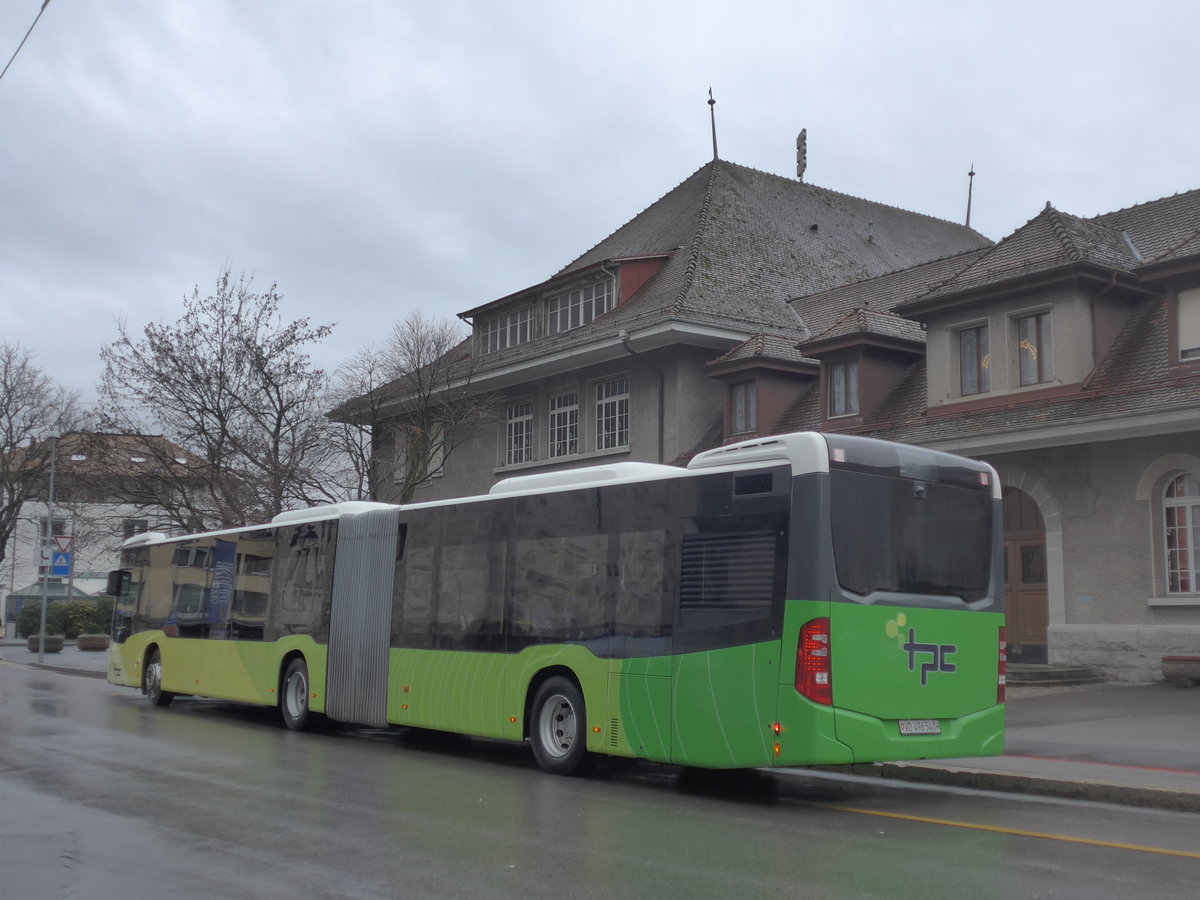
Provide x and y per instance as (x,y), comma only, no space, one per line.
(91,454)
(1158,228)
(870,322)
(742,243)
(819,312)
(804,412)
(749,241)
(772,347)
(1047,241)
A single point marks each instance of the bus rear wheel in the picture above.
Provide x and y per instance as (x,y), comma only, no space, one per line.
(293,697)
(557,729)
(152,682)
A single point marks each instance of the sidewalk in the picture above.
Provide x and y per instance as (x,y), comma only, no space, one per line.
(70,660)
(1137,745)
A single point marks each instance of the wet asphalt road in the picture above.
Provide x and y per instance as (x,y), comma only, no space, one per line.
(102,796)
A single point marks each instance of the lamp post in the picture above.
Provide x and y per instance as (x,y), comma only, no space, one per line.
(48,541)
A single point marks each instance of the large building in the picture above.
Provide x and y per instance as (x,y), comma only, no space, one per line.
(743,304)
(605,359)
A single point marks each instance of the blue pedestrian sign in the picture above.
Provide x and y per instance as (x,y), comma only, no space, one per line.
(60,563)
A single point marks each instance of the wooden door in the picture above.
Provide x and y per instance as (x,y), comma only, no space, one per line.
(1025,598)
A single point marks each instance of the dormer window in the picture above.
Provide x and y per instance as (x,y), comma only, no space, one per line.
(743,403)
(1189,324)
(505,330)
(843,389)
(1035,351)
(974,361)
(577,307)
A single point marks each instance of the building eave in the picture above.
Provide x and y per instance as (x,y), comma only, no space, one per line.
(1117,427)
(1017,284)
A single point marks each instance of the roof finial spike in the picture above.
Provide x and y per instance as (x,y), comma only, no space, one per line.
(801,153)
(712,114)
(970,188)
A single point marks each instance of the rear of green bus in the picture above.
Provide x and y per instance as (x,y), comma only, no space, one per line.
(894,609)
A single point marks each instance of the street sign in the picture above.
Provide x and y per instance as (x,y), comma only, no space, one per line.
(60,563)
(64,541)
(42,556)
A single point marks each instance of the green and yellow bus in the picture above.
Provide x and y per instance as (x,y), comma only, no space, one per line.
(798,599)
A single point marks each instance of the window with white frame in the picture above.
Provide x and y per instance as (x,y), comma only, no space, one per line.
(564,425)
(974,361)
(1188,319)
(843,389)
(1035,349)
(505,330)
(1181,533)
(518,446)
(744,407)
(579,306)
(612,414)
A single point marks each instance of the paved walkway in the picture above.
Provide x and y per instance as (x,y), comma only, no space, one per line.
(1130,744)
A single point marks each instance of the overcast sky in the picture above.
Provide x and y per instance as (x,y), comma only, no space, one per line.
(375,157)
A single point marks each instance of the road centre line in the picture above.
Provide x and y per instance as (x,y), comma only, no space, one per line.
(1019,832)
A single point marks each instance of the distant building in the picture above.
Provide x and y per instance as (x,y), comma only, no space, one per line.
(105,485)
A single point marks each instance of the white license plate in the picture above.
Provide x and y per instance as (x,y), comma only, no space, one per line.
(920,726)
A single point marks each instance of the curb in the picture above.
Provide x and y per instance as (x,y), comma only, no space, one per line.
(65,670)
(1077,789)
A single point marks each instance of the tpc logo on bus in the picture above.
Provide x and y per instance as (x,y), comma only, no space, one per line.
(938,653)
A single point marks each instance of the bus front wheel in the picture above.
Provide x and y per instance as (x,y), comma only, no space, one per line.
(293,699)
(152,682)
(557,730)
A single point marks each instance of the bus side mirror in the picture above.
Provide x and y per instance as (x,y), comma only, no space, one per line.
(118,583)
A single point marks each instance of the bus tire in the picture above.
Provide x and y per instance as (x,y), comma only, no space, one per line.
(558,727)
(293,697)
(152,681)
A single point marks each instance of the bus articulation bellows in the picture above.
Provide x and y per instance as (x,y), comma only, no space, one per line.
(793,600)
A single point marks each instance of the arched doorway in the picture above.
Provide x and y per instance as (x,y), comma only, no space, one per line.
(1025,578)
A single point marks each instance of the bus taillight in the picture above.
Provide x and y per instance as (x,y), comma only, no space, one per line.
(813,677)
(1002,667)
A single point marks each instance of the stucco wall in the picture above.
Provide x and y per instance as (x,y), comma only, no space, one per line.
(692,404)
(1108,606)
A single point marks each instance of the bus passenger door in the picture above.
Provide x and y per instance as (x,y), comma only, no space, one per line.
(360,618)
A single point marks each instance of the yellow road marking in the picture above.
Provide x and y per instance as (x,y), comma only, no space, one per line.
(1020,832)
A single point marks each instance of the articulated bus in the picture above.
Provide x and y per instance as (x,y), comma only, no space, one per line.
(801,599)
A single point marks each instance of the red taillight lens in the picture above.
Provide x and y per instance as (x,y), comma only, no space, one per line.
(1002,667)
(813,677)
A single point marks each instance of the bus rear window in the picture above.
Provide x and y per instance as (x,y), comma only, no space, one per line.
(900,535)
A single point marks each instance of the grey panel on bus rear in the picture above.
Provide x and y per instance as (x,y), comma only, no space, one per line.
(361,617)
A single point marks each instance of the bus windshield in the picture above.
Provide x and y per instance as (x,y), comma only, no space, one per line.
(912,522)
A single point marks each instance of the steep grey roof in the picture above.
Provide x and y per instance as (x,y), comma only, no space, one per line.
(749,241)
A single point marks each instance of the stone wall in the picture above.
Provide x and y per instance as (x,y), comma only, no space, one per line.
(1127,653)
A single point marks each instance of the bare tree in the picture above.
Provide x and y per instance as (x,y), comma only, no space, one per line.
(234,385)
(408,405)
(33,412)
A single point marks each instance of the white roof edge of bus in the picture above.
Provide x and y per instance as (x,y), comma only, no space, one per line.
(146,537)
(611,473)
(328,511)
(805,450)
